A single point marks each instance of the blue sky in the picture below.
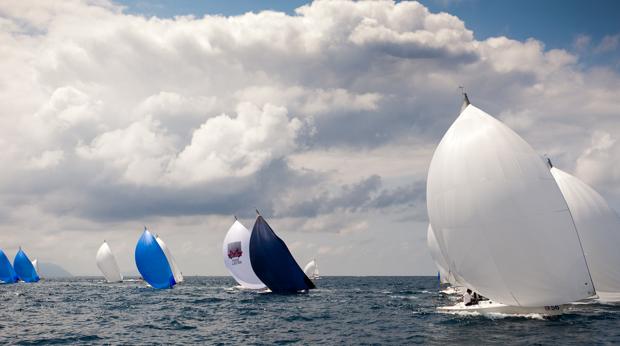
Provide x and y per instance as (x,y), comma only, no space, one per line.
(555,22)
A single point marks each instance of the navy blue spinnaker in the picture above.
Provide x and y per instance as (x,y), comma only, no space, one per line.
(152,262)
(7,273)
(24,268)
(273,263)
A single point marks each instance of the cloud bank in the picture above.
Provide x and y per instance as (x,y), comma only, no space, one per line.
(325,120)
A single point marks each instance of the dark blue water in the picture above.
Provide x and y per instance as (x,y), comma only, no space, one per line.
(208,310)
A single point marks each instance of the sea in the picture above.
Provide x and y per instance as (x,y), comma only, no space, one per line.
(213,311)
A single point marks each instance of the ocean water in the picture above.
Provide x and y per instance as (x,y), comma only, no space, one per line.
(210,310)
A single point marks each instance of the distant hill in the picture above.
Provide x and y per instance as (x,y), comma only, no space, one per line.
(51,270)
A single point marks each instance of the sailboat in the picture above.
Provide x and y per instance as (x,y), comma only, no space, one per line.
(445,276)
(599,230)
(107,264)
(24,268)
(501,220)
(178,276)
(236,251)
(7,273)
(152,262)
(273,263)
(312,270)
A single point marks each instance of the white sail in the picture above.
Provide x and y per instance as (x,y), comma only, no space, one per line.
(35,264)
(107,264)
(440,262)
(236,251)
(312,269)
(500,217)
(178,276)
(599,229)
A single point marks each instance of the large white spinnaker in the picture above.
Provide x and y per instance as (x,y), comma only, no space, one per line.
(312,269)
(599,229)
(236,251)
(107,264)
(176,272)
(500,217)
(440,261)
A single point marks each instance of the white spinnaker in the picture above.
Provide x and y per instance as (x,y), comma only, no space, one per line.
(35,264)
(440,261)
(238,238)
(310,268)
(501,219)
(599,229)
(107,264)
(178,276)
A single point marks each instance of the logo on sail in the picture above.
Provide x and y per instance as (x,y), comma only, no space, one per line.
(234,252)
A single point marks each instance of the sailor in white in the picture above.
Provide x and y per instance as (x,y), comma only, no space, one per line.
(467,298)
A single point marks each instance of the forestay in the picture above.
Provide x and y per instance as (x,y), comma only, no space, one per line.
(273,263)
(107,264)
(599,229)
(152,262)
(176,272)
(236,252)
(500,218)
(7,273)
(24,268)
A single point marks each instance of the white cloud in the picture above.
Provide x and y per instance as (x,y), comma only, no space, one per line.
(108,116)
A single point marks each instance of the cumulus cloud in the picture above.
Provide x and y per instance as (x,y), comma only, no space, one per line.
(325,119)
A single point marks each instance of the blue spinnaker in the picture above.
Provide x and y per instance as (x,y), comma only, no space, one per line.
(273,263)
(24,268)
(152,263)
(7,273)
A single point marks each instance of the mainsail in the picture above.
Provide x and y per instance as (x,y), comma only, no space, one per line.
(312,269)
(273,263)
(236,251)
(7,273)
(152,262)
(178,276)
(500,217)
(24,268)
(107,264)
(599,229)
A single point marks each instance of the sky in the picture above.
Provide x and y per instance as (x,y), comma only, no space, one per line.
(324,116)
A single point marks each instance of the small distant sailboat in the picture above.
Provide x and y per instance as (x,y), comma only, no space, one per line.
(446,277)
(7,273)
(273,263)
(501,220)
(312,270)
(236,251)
(178,276)
(107,264)
(599,230)
(152,262)
(24,268)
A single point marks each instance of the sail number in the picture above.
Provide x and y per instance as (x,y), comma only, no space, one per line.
(552,308)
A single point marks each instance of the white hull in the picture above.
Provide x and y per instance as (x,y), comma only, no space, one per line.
(608,297)
(452,290)
(487,307)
